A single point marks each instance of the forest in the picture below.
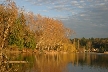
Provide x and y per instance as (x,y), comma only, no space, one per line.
(99,44)
(21,30)
(24,30)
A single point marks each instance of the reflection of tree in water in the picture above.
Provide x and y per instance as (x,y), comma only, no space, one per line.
(101,61)
(3,65)
(14,66)
(52,62)
(59,62)
(93,60)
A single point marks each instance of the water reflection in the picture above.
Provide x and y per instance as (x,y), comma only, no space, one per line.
(90,62)
(74,62)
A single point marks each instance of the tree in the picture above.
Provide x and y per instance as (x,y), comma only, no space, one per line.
(26,30)
(8,14)
(17,31)
(50,33)
(83,42)
(20,35)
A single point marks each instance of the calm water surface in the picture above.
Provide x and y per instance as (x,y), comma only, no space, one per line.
(74,62)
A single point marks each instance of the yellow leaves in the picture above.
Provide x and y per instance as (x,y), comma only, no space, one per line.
(49,31)
(8,14)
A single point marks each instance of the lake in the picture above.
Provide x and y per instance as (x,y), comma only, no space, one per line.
(73,62)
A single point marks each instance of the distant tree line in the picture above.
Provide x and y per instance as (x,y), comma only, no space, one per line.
(101,44)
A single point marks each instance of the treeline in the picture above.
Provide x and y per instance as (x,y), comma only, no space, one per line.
(22,29)
(99,44)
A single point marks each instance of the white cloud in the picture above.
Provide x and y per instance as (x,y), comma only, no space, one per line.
(43,10)
(74,2)
(90,15)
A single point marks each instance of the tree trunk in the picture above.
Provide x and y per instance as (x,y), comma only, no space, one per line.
(4,36)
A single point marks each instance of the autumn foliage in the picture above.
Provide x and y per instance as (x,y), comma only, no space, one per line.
(25,30)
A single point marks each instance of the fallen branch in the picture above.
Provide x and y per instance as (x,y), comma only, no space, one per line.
(15,62)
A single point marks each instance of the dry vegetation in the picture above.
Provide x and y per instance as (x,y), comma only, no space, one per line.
(21,29)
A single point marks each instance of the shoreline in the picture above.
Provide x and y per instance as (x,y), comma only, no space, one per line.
(31,51)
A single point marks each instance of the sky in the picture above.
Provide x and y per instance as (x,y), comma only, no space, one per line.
(88,18)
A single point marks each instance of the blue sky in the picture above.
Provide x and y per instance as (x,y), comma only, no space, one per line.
(88,18)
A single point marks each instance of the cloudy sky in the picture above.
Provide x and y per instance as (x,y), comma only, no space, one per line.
(88,18)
